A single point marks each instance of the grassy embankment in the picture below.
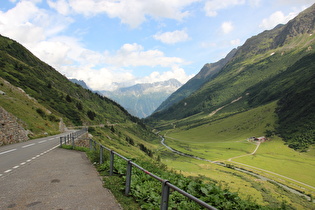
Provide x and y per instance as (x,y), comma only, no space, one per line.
(31,114)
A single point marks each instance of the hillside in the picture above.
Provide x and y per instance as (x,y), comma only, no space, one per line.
(275,65)
(42,98)
(142,99)
(207,72)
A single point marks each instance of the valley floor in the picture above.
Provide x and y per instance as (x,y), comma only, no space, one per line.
(272,168)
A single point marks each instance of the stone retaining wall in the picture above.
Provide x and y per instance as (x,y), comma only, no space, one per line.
(10,129)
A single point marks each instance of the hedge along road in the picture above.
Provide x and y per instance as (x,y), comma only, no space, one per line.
(245,171)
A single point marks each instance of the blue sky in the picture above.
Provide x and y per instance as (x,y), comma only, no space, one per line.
(108,43)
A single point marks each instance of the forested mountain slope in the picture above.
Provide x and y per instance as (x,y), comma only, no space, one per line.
(207,72)
(55,96)
(274,65)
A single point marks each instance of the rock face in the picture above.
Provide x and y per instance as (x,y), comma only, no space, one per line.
(10,129)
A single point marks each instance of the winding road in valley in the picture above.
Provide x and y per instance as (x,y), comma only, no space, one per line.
(245,171)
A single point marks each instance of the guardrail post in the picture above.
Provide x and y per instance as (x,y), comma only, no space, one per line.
(128,177)
(65,138)
(165,195)
(101,154)
(72,142)
(60,141)
(111,164)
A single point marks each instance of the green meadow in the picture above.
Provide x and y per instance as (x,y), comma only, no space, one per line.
(224,138)
(276,157)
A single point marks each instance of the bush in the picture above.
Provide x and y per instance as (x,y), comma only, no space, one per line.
(41,113)
(91,115)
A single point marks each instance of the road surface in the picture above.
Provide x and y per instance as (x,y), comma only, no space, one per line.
(14,156)
(39,175)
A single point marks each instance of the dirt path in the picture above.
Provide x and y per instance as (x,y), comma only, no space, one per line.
(258,144)
(215,111)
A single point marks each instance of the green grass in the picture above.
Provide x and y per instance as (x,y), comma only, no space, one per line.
(224,138)
(24,108)
(277,157)
(247,186)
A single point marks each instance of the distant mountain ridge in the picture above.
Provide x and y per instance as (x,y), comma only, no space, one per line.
(80,82)
(207,72)
(142,99)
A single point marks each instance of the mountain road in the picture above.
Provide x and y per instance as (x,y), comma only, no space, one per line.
(16,155)
(39,175)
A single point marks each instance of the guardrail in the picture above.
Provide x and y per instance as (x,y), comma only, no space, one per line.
(72,136)
(166,185)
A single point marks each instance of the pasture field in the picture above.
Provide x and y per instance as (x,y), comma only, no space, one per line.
(248,187)
(276,157)
(226,138)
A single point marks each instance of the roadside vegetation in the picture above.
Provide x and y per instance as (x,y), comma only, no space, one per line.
(146,191)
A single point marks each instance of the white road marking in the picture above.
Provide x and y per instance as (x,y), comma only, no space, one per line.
(28,145)
(11,150)
(42,141)
(51,139)
(29,160)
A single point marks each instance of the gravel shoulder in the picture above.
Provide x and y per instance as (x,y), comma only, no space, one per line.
(60,179)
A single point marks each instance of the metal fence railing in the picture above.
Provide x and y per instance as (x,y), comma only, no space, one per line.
(166,185)
(72,136)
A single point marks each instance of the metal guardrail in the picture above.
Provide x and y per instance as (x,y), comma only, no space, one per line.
(72,136)
(166,185)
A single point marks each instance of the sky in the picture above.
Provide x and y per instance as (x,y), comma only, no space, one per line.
(113,43)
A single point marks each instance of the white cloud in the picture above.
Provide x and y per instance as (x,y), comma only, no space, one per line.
(294,2)
(212,6)
(227,27)
(172,37)
(28,24)
(235,42)
(134,55)
(275,19)
(131,12)
(61,6)
(175,72)
(99,79)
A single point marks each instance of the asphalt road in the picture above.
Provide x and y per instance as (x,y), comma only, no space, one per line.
(17,155)
(39,175)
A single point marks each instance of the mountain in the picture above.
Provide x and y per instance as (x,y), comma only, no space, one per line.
(80,82)
(275,65)
(142,99)
(43,101)
(206,73)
